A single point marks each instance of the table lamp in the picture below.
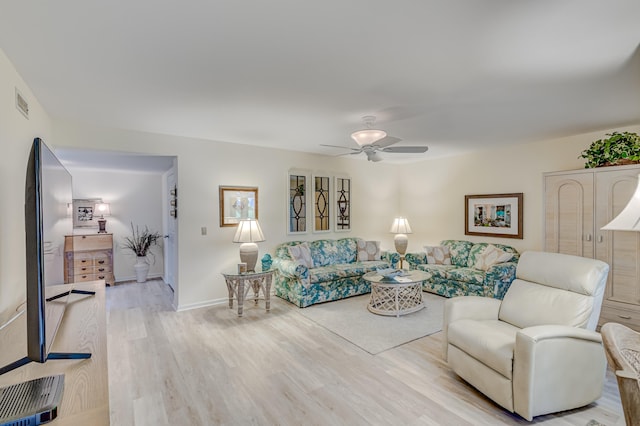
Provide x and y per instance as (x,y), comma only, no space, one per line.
(248,233)
(401,228)
(103,210)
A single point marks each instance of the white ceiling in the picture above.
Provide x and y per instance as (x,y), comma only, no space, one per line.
(456,75)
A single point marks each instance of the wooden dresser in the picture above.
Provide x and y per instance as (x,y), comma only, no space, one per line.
(88,257)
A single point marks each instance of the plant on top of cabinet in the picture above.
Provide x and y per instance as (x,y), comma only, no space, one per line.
(616,150)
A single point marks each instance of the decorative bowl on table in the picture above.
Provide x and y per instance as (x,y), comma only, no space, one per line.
(391,273)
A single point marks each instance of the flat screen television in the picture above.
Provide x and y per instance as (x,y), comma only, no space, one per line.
(48,195)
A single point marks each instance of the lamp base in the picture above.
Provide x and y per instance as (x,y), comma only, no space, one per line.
(102,226)
(249,255)
(401,242)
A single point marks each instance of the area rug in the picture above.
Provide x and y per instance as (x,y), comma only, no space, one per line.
(350,319)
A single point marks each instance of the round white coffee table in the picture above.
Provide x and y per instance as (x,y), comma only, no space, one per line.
(394,298)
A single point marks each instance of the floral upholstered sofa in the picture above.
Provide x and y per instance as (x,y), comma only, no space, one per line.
(309,272)
(462,268)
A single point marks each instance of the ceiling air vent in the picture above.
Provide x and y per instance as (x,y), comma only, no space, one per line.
(21,104)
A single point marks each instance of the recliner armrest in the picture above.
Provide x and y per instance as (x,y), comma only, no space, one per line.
(545,332)
(554,369)
(467,307)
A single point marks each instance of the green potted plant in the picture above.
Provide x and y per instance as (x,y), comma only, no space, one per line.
(140,243)
(617,149)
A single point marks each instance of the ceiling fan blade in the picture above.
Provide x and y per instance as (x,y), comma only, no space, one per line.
(343,147)
(406,149)
(386,141)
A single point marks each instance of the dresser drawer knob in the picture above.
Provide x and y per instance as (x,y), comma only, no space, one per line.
(101,269)
(101,261)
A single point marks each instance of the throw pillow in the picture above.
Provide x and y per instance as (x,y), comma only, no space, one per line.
(438,255)
(301,253)
(490,256)
(368,250)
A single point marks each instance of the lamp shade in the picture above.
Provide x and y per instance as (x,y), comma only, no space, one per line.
(400,226)
(248,231)
(102,209)
(629,217)
(368,136)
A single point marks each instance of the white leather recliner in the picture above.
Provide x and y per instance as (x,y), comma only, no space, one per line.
(536,351)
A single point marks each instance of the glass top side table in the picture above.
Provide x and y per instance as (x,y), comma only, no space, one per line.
(239,286)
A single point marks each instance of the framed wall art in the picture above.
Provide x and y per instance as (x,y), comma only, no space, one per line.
(82,212)
(342,190)
(494,215)
(298,184)
(236,203)
(321,203)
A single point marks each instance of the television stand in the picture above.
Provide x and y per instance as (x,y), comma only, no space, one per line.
(83,329)
(66,293)
(53,355)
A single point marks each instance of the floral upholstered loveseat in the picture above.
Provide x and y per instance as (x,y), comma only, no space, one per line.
(462,268)
(325,270)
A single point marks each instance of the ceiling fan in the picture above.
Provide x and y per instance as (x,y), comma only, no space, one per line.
(371,141)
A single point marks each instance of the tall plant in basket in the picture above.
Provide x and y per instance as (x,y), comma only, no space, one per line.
(140,242)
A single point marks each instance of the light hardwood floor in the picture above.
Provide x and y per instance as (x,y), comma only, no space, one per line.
(208,366)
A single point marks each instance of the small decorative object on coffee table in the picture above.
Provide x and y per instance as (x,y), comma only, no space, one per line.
(396,296)
(239,286)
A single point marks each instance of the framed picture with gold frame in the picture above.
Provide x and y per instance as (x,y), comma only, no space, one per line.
(494,215)
(236,203)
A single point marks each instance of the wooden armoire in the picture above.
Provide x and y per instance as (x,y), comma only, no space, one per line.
(577,204)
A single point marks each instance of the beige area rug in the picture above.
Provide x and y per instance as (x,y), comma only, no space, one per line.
(350,319)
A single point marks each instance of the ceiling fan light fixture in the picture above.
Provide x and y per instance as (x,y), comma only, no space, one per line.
(368,136)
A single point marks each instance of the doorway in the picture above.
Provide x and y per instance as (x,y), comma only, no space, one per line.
(171,228)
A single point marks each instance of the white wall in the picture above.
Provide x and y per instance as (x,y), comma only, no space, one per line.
(16,135)
(134,197)
(434,190)
(204,165)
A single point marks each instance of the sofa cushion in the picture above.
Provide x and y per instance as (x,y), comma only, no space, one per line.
(344,270)
(484,256)
(459,251)
(331,252)
(368,250)
(438,255)
(467,275)
(302,254)
(436,271)
(489,341)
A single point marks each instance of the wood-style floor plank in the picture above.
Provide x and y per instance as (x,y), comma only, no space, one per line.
(208,366)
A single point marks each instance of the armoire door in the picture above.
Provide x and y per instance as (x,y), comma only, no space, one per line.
(620,249)
(569,220)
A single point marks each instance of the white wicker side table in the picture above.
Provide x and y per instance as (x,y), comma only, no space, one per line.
(239,286)
(393,298)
